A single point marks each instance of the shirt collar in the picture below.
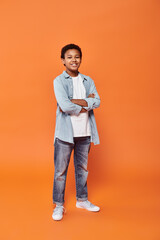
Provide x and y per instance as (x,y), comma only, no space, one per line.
(66,75)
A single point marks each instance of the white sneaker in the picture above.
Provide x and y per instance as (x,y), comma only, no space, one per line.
(87,205)
(58,212)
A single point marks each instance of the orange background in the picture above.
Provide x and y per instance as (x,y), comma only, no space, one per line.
(120,44)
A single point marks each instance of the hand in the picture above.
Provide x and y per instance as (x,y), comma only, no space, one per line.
(83,110)
(91,95)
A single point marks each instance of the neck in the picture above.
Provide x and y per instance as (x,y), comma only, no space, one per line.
(72,74)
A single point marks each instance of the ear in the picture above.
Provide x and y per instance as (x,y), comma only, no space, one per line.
(63,61)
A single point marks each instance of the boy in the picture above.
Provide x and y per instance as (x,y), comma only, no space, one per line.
(76,97)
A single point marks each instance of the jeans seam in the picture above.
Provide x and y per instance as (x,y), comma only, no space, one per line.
(75,162)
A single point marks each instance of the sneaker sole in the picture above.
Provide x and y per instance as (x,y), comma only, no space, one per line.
(58,219)
(89,209)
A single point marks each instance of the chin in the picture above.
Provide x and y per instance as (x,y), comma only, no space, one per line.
(74,70)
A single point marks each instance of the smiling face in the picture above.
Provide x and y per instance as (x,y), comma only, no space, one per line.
(72,61)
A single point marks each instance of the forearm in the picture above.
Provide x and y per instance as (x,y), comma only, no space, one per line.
(80,102)
(82,110)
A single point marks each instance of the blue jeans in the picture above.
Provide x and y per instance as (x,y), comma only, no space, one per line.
(62,153)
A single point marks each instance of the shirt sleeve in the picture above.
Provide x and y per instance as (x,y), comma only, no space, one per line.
(62,99)
(92,102)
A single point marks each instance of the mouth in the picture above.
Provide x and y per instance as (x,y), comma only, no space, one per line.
(74,65)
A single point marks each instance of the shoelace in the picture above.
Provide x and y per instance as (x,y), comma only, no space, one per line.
(89,204)
(58,209)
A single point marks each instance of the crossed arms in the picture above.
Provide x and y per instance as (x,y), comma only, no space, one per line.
(82,102)
(76,106)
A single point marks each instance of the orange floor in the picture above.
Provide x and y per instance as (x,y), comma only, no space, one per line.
(129,208)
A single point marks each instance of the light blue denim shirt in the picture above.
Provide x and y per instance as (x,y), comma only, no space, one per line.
(63,89)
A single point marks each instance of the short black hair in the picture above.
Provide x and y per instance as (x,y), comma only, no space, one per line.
(70,46)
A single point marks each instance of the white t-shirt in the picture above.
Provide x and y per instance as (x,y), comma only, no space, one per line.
(80,123)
